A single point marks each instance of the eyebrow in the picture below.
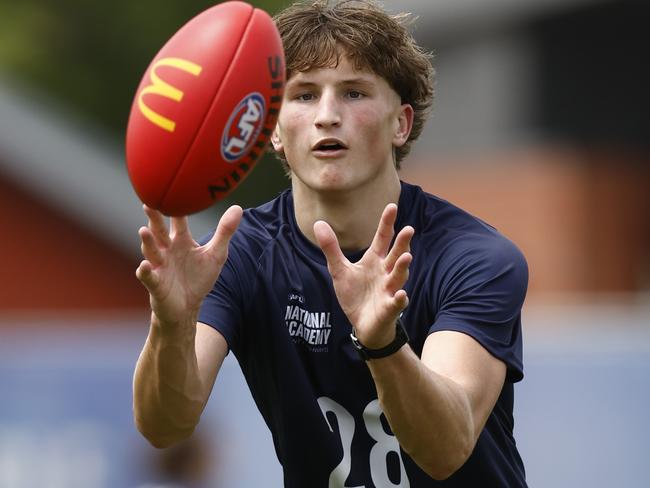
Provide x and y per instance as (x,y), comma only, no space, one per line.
(345,82)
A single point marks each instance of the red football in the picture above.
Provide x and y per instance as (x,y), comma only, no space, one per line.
(205,109)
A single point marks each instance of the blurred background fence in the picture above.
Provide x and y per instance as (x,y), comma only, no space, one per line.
(539,127)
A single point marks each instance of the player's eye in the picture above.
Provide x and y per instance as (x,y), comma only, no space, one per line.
(354,94)
(305,97)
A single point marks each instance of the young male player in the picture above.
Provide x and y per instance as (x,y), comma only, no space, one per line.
(375,359)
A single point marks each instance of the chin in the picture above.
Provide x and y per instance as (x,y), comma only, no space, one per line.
(328,187)
(335,182)
(328,180)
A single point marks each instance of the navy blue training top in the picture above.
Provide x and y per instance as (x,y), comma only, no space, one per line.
(275,305)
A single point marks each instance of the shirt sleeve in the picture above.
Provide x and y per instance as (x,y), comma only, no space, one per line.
(223,306)
(481,295)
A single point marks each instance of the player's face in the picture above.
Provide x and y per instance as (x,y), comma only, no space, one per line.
(338,127)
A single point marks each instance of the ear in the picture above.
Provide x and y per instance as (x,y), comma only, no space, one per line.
(404,124)
(276,140)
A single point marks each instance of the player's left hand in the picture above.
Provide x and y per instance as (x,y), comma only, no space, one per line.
(370,290)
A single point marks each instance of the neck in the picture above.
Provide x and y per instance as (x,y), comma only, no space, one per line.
(352,214)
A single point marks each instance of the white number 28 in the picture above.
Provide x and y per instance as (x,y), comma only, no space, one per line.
(385,444)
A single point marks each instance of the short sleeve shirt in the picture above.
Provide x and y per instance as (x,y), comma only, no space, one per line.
(275,305)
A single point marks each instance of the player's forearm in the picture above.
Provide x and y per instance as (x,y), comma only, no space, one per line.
(168,396)
(430,414)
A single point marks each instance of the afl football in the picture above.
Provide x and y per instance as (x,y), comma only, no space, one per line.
(205,109)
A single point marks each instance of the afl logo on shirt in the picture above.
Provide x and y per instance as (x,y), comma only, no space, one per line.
(243,127)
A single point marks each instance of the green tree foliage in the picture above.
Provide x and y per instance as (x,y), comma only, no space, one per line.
(91,55)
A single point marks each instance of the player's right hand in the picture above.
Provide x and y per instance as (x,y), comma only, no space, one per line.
(177,272)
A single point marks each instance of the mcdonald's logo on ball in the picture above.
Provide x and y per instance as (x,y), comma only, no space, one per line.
(205,109)
(162,88)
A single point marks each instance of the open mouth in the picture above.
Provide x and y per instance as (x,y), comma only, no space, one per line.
(329,146)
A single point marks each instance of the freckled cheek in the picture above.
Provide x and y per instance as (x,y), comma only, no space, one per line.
(372,124)
(293,117)
(293,127)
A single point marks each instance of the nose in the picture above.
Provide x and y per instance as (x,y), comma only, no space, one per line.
(328,113)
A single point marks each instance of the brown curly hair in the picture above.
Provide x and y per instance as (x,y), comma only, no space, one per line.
(315,34)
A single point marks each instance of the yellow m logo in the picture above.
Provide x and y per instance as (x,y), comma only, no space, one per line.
(160,87)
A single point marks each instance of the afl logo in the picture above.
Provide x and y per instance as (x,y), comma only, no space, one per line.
(243,127)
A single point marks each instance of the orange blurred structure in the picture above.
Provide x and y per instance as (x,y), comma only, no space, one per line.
(50,262)
(581,217)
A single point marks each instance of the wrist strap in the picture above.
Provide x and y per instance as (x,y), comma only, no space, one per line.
(401,338)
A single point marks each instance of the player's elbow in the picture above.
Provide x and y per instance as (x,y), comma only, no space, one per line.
(162,438)
(442,467)
(440,471)
(160,442)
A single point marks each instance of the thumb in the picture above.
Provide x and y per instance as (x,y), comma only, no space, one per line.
(146,274)
(329,244)
(228,223)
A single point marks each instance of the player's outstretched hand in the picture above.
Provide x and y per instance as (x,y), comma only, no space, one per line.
(370,290)
(177,272)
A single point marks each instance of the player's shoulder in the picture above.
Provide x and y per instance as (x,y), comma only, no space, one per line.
(259,226)
(437,214)
(456,233)
(266,220)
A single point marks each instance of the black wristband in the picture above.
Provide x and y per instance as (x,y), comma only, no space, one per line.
(401,338)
